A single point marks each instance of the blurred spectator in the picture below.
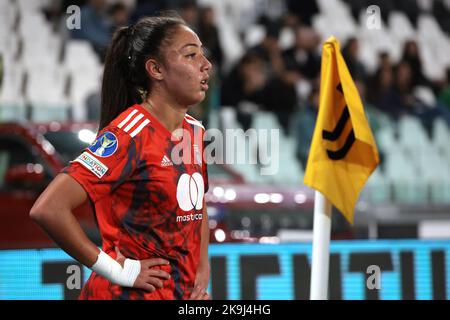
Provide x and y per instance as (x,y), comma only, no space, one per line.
(209,35)
(269,49)
(350,52)
(95,26)
(412,57)
(384,60)
(374,115)
(399,98)
(119,15)
(302,61)
(280,98)
(291,20)
(304,123)
(303,57)
(246,82)
(369,108)
(381,81)
(279,93)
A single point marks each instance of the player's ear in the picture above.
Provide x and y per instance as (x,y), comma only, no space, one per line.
(154,69)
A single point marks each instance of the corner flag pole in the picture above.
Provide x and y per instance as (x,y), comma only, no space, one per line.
(339,164)
(321,247)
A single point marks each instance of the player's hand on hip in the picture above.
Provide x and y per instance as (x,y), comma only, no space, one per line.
(149,278)
(201,284)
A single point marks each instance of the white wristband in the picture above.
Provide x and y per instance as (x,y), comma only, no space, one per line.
(113,271)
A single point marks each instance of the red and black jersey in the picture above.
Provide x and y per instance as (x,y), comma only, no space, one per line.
(148,193)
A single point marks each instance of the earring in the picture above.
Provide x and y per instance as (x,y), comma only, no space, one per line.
(142,93)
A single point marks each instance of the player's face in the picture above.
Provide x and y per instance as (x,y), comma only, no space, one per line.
(186,69)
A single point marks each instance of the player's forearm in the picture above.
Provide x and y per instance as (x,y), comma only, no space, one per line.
(204,258)
(65,230)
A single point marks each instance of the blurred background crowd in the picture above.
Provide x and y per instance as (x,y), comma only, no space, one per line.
(266,56)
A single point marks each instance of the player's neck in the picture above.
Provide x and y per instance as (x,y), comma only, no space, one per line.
(170,115)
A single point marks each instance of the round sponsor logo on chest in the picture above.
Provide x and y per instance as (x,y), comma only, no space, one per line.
(190,191)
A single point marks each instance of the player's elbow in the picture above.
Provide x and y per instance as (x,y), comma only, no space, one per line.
(61,196)
(37,213)
(41,212)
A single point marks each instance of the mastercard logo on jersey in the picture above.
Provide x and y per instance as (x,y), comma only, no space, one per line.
(105,145)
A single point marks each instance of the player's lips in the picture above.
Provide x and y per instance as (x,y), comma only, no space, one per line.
(204,84)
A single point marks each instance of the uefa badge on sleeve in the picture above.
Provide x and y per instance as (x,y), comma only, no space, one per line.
(105,145)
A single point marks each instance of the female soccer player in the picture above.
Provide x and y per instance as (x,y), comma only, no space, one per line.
(149,206)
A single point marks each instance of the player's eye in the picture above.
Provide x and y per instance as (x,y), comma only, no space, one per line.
(192,55)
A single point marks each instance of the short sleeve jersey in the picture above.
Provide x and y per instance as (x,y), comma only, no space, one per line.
(148,192)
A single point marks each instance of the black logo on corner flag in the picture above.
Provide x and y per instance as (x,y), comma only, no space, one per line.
(336,133)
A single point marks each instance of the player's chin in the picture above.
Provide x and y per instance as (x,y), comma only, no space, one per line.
(193,99)
(199,97)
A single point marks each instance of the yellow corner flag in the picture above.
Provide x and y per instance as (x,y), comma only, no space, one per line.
(343,152)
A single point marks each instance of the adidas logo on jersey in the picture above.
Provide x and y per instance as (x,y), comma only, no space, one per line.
(165,162)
